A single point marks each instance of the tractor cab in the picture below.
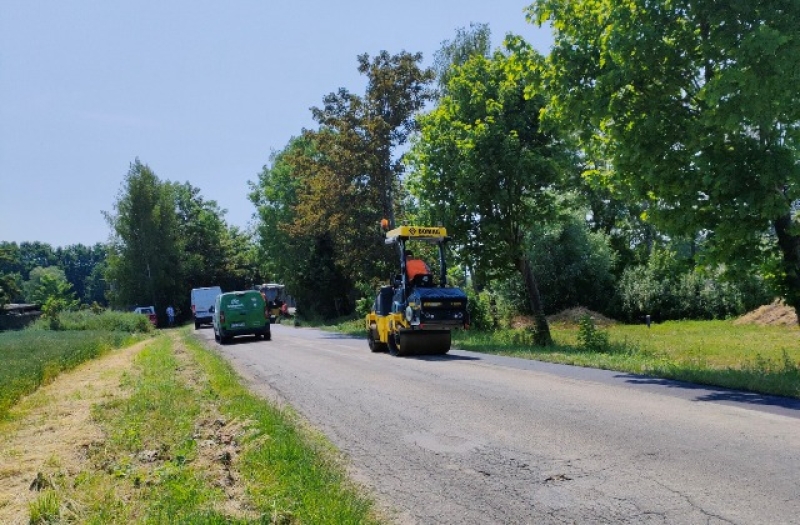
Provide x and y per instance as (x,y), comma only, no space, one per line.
(275,297)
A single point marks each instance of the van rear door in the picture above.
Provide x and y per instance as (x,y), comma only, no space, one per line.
(202,303)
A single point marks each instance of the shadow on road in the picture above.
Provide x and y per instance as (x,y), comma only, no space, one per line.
(708,393)
(332,335)
(241,340)
(446,357)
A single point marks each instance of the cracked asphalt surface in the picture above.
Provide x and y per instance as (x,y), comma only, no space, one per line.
(469,438)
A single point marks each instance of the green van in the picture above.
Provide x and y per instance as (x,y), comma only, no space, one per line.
(240,313)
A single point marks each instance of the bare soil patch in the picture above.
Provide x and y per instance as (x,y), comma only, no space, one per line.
(775,314)
(573,316)
(568,318)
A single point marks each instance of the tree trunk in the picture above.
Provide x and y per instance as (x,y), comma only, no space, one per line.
(542,336)
(789,244)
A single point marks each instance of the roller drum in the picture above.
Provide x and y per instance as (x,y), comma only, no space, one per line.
(423,342)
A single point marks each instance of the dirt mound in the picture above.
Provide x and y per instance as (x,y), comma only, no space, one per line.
(775,314)
(574,316)
(569,317)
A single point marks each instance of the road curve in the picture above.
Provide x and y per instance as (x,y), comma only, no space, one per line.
(469,438)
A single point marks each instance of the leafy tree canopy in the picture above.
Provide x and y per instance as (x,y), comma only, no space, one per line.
(144,258)
(48,283)
(485,167)
(323,196)
(697,105)
(477,40)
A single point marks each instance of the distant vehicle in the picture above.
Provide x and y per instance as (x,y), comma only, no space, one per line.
(240,313)
(278,302)
(202,302)
(149,311)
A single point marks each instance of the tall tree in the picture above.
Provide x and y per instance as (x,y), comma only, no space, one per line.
(201,230)
(325,193)
(376,124)
(48,283)
(699,106)
(25,257)
(243,268)
(96,286)
(144,258)
(332,217)
(9,287)
(484,166)
(78,263)
(274,195)
(477,40)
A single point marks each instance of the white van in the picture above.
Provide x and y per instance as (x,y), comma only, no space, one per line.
(202,303)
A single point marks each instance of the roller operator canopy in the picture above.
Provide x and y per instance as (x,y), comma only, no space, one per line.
(433,234)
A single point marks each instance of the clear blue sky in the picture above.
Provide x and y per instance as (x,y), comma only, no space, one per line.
(200,91)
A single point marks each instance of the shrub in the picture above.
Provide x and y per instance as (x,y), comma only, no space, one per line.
(591,338)
(674,293)
(106,320)
(367,294)
(573,267)
(479,305)
(510,300)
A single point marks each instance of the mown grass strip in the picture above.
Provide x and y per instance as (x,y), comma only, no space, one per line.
(145,471)
(186,442)
(32,358)
(289,472)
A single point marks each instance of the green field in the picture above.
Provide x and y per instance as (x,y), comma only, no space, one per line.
(763,359)
(31,358)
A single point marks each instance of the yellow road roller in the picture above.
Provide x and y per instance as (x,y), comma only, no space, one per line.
(415,313)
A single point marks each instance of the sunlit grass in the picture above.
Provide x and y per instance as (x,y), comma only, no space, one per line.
(291,473)
(185,442)
(764,359)
(32,358)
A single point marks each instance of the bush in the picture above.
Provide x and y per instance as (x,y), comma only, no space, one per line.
(690,294)
(591,338)
(107,320)
(479,306)
(367,294)
(510,300)
(573,267)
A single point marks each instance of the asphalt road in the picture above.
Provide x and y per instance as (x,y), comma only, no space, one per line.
(474,439)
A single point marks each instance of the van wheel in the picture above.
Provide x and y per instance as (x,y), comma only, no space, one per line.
(196,325)
(267,336)
(216,335)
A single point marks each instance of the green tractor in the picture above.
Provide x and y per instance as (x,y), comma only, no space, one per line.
(416,316)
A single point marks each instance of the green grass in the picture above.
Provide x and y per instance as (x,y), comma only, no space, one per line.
(188,443)
(763,359)
(145,465)
(107,320)
(289,471)
(31,358)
